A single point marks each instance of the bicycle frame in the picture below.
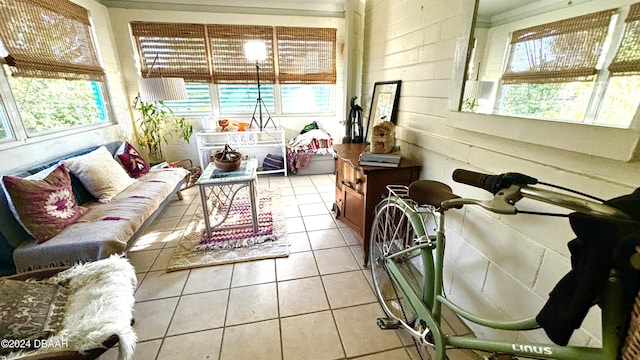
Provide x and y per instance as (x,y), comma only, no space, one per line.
(428,305)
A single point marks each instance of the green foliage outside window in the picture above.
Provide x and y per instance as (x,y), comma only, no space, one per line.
(55,104)
(552,100)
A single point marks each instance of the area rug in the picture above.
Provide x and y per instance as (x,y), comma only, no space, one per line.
(230,243)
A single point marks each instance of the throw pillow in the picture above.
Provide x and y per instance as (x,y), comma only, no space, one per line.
(132,161)
(30,310)
(273,162)
(43,207)
(100,173)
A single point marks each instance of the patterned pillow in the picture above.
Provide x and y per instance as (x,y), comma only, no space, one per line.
(30,310)
(273,162)
(43,207)
(100,173)
(132,161)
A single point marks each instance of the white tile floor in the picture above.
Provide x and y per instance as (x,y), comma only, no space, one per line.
(315,304)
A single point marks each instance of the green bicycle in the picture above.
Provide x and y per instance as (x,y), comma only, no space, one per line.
(407,257)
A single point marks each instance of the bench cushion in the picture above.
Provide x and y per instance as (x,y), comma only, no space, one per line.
(105,228)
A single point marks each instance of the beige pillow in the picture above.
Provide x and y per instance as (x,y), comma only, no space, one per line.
(103,177)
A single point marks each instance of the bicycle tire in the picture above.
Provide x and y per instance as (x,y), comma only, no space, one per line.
(393,231)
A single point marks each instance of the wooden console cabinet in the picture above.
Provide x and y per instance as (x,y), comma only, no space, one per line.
(360,188)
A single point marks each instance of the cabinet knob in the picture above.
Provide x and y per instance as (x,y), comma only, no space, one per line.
(359,181)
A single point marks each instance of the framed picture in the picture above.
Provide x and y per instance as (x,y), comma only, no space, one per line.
(384,104)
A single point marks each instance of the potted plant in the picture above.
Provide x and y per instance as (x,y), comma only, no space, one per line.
(156,122)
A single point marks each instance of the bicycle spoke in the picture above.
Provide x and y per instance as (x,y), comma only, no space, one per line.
(392,232)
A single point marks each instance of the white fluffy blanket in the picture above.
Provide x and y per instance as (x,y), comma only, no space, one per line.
(100,305)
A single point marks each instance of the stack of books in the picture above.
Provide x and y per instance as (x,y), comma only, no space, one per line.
(391,159)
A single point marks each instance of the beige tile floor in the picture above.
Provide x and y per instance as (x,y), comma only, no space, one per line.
(315,304)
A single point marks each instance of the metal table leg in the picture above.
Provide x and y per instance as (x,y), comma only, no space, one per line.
(254,205)
(205,209)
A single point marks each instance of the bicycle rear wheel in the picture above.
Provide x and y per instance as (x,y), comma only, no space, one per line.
(391,232)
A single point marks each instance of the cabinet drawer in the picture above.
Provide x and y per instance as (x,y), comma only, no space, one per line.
(353,211)
(340,165)
(354,180)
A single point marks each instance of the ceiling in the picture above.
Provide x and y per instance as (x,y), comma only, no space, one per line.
(496,12)
(330,8)
(488,8)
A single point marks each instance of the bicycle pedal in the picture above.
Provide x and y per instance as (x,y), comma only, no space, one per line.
(388,324)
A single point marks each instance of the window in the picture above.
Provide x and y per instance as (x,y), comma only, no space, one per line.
(51,64)
(306,99)
(566,70)
(242,99)
(298,75)
(43,109)
(5,127)
(199,102)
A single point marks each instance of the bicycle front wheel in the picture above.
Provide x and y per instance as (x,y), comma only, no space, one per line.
(393,231)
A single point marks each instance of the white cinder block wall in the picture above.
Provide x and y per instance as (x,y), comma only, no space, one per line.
(497,266)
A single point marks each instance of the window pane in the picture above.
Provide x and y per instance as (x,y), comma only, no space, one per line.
(242,99)
(621,101)
(199,102)
(565,101)
(302,99)
(5,128)
(56,104)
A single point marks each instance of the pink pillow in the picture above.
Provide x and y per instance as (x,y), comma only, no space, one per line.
(43,207)
(132,161)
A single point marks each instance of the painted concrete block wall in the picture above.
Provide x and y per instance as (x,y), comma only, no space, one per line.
(18,155)
(176,149)
(498,266)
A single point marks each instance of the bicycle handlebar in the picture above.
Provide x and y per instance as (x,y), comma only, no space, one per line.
(508,188)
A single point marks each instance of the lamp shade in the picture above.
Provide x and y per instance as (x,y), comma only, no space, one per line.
(163,88)
(255,50)
(474,89)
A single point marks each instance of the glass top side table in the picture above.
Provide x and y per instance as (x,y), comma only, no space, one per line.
(218,189)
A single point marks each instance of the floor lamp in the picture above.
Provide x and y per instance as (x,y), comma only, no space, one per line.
(256,51)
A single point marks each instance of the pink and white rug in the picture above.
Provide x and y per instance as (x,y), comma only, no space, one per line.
(234,240)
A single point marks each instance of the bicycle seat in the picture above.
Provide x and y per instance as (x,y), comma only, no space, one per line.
(429,192)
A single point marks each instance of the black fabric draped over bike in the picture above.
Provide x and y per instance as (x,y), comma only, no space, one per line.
(600,245)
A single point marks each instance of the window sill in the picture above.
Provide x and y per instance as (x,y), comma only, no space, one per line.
(9,144)
(611,143)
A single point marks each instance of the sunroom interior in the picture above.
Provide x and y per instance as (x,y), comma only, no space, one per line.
(467,100)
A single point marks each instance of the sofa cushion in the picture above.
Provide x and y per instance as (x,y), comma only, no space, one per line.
(44,207)
(99,173)
(30,310)
(132,161)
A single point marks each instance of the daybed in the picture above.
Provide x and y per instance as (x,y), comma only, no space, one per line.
(311,153)
(102,228)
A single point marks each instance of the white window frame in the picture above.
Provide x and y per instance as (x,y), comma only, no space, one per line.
(18,130)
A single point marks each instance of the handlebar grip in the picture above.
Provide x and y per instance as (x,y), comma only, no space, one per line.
(469,177)
(492,183)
